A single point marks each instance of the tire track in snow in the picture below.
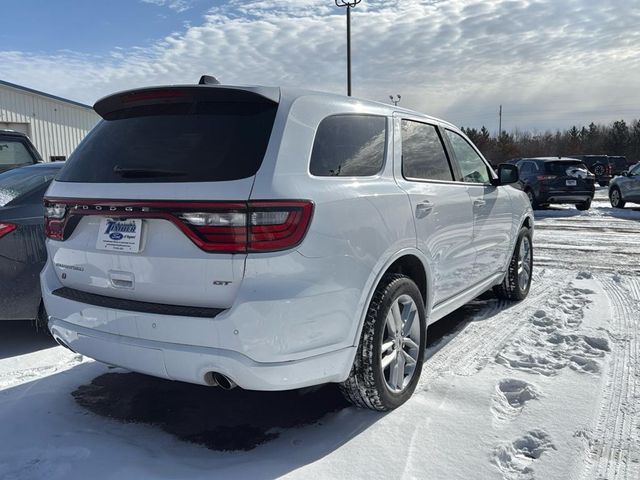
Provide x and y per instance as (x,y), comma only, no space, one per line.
(613,450)
(468,351)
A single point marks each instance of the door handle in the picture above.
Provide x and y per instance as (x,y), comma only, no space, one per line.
(423,209)
(479,203)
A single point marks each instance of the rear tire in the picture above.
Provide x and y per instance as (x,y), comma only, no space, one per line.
(532,199)
(517,281)
(42,321)
(584,205)
(389,359)
(615,197)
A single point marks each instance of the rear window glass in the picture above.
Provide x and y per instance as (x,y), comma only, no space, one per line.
(349,145)
(14,152)
(205,143)
(21,181)
(560,168)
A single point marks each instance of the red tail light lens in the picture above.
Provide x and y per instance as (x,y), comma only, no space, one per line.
(6,228)
(546,177)
(55,217)
(239,227)
(277,225)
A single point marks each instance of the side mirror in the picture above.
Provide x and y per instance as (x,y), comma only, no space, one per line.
(507,174)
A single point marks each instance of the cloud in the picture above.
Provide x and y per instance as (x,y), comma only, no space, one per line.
(549,63)
(176,5)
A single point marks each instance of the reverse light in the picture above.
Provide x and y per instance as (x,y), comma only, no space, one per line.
(6,228)
(55,211)
(224,219)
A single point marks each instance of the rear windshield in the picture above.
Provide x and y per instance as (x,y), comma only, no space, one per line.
(21,181)
(14,152)
(217,142)
(560,168)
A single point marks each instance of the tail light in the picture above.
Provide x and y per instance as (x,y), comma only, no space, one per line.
(238,227)
(6,228)
(546,177)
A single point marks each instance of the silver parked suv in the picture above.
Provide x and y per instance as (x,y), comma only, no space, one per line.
(275,239)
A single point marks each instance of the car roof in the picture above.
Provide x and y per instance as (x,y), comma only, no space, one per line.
(15,133)
(552,159)
(40,166)
(289,95)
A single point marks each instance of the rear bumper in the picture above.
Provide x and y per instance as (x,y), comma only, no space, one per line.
(286,330)
(565,197)
(192,364)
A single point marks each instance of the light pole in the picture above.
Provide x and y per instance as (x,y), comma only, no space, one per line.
(349,4)
(395,100)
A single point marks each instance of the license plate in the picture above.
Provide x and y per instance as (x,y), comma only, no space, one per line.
(572,183)
(120,235)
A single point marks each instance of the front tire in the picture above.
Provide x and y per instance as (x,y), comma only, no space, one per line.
(517,281)
(389,359)
(615,197)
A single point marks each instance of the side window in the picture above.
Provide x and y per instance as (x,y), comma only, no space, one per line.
(635,170)
(473,169)
(423,155)
(528,168)
(349,145)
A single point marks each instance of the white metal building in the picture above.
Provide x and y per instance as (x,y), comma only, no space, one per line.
(55,125)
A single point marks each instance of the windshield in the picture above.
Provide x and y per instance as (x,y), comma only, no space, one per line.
(18,182)
(218,142)
(14,152)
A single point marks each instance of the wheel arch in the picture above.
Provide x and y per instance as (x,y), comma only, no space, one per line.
(410,262)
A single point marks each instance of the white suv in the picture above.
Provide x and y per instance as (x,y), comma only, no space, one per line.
(274,238)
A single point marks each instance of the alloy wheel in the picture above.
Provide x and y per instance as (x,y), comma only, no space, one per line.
(400,343)
(524,262)
(615,197)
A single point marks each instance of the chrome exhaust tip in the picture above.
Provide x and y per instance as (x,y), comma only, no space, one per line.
(223,381)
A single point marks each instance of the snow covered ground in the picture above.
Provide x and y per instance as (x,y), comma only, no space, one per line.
(548,388)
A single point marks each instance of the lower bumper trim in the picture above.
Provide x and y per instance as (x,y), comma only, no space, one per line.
(134,305)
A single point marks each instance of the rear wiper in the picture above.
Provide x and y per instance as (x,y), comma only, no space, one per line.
(146,172)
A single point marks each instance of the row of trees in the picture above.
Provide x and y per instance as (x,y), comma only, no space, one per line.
(617,138)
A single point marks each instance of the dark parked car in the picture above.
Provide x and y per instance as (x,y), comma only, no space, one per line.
(22,250)
(619,164)
(556,180)
(625,188)
(600,166)
(16,150)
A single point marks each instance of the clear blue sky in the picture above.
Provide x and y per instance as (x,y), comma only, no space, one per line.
(90,26)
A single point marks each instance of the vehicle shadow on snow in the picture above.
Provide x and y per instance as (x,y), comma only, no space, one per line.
(238,420)
(212,417)
(21,337)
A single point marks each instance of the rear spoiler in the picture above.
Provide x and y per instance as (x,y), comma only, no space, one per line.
(181,94)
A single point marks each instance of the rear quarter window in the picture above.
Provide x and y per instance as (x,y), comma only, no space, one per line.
(349,145)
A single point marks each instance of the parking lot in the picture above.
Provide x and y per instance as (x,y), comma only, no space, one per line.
(545,388)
